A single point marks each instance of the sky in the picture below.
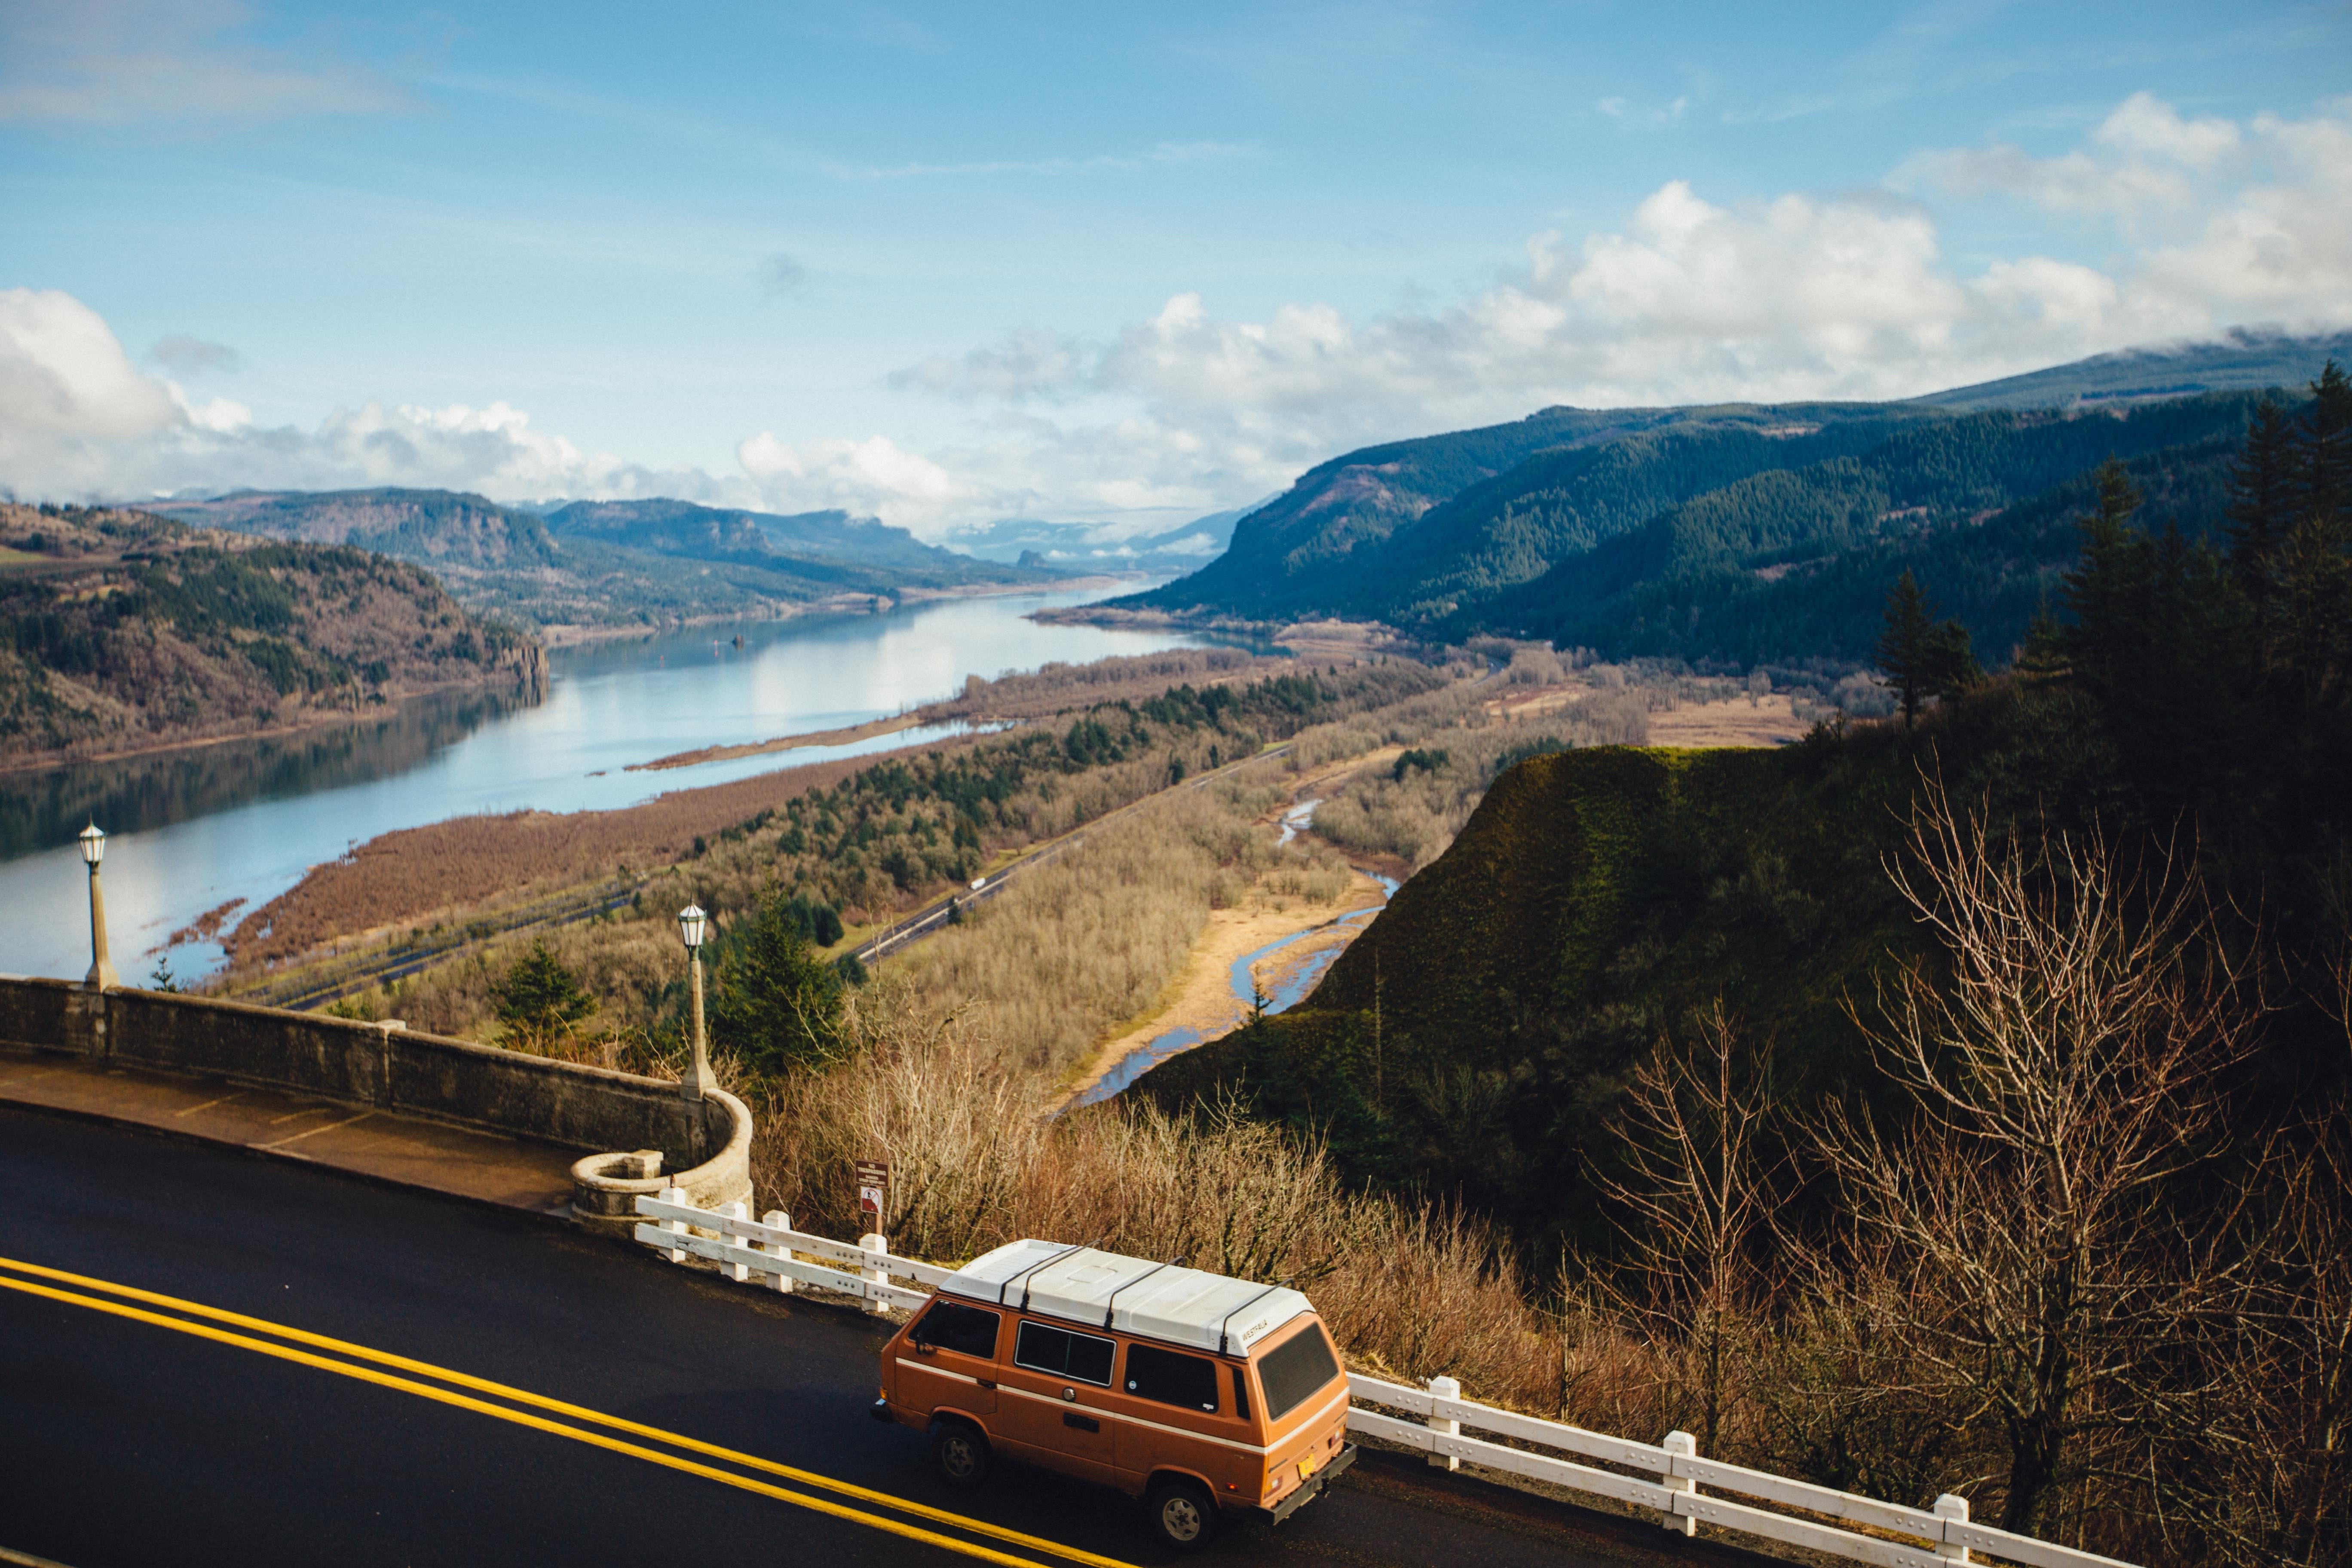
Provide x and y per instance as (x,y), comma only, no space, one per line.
(1119,263)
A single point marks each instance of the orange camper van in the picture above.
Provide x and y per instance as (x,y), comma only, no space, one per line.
(1205,1394)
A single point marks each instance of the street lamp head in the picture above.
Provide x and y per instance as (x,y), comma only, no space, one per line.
(93,843)
(690,922)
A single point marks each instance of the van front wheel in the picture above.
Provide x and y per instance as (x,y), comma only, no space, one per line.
(1182,1514)
(961,1453)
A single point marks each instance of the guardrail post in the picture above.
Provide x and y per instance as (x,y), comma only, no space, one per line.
(1682,1446)
(738,1272)
(779,1220)
(880,1248)
(1444,1388)
(674,1195)
(1953,1507)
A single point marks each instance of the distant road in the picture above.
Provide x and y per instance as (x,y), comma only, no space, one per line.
(141,1432)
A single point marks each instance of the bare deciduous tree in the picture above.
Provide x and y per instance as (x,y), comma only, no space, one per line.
(1693,1193)
(2061,1074)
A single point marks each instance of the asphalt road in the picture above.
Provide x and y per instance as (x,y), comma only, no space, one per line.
(178,1437)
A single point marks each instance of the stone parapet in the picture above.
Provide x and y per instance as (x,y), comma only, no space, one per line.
(706,1146)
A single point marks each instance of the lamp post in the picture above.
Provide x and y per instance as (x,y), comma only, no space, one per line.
(101,968)
(690,923)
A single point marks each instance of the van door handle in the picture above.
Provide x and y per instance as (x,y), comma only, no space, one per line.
(1083,1423)
(984,1383)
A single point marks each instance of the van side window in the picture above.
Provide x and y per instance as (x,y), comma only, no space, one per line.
(1299,1367)
(1241,1393)
(1171,1379)
(1080,1357)
(952,1326)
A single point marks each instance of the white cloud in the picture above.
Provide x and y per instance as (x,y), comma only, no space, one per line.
(2145,123)
(2215,224)
(119,62)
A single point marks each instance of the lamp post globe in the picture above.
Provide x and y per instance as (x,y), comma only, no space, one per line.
(698,1083)
(101,968)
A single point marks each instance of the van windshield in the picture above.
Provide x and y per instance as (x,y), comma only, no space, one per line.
(1299,1367)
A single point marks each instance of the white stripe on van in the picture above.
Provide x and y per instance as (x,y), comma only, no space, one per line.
(1115,1415)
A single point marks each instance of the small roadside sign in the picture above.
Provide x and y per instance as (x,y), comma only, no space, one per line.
(873,1178)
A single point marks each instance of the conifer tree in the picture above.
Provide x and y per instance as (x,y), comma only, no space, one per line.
(1920,656)
(539,1000)
(777,1004)
(2262,485)
(2041,658)
(2310,641)
(2108,590)
(1903,652)
(2324,487)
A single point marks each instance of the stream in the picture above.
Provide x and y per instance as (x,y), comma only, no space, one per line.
(1289,992)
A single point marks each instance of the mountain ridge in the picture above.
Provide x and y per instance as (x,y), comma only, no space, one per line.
(1496,530)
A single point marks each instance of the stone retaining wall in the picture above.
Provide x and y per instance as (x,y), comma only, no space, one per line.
(567,1104)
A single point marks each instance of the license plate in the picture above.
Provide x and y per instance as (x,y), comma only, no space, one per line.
(1307,1467)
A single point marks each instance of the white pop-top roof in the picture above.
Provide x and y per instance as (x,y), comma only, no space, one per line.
(1134,1295)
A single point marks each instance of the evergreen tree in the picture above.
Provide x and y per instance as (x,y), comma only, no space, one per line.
(538,1001)
(1904,652)
(1920,656)
(2262,485)
(2041,658)
(2108,590)
(2310,641)
(775,1002)
(2324,489)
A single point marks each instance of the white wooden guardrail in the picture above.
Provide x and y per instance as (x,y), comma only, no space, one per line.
(1670,1477)
(743,1248)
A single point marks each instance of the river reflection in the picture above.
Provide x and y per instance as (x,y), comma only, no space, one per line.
(134,794)
(191,831)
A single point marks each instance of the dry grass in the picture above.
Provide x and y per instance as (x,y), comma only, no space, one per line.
(1413,1289)
(1073,949)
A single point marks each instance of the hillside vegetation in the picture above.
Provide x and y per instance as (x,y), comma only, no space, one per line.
(122,631)
(600,567)
(1952,1102)
(1741,534)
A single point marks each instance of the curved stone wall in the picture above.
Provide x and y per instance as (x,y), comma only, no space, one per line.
(707,1147)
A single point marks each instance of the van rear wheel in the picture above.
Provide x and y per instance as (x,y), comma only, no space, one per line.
(1182,1513)
(960,1452)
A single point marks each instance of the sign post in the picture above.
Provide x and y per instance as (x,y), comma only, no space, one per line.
(872,1178)
(873,1183)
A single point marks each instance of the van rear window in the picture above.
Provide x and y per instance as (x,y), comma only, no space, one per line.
(1171,1378)
(1299,1367)
(952,1326)
(1065,1354)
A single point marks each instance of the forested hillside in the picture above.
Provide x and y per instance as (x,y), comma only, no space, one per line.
(1792,562)
(1957,1096)
(598,565)
(822,546)
(122,631)
(1740,534)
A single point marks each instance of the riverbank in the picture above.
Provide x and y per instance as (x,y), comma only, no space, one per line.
(454,868)
(563,635)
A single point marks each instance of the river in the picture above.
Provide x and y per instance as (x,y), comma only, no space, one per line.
(189,831)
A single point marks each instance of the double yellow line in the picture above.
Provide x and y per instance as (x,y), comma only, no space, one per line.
(361,1363)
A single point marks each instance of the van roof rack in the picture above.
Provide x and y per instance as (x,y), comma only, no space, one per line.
(1108,1290)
